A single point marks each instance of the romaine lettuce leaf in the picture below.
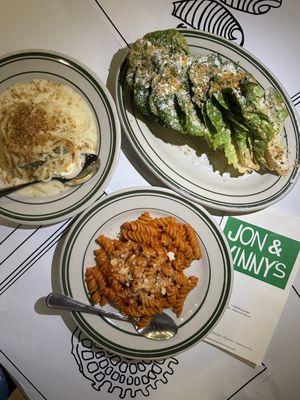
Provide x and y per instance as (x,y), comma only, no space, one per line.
(221,138)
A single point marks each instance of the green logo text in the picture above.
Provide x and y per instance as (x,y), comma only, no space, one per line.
(260,253)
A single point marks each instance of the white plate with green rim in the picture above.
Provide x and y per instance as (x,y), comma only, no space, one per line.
(204,305)
(176,160)
(24,66)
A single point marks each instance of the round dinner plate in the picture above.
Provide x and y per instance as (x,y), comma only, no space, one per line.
(180,163)
(203,306)
(27,65)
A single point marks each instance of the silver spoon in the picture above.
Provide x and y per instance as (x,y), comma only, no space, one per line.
(89,169)
(161,327)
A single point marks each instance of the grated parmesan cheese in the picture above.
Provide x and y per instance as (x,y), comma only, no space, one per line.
(123,271)
(114,262)
(171,256)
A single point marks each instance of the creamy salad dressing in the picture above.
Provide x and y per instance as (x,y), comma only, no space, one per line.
(45,130)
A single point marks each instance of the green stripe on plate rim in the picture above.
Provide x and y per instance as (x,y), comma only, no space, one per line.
(71,64)
(173,183)
(196,336)
(83,268)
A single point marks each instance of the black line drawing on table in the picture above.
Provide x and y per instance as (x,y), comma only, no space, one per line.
(112,373)
(296,291)
(9,234)
(21,244)
(214,17)
(296,99)
(253,6)
(210,16)
(41,249)
(20,372)
(250,380)
(110,20)
(35,255)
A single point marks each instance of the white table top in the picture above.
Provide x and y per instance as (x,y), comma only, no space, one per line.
(48,355)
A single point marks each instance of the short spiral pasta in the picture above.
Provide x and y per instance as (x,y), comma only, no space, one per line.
(142,272)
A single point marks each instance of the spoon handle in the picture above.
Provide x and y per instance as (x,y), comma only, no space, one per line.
(91,166)
(61,302)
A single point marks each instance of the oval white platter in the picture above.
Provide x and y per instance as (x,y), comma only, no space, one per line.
(181,164)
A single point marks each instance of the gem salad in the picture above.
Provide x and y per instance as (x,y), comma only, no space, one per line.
(208,97)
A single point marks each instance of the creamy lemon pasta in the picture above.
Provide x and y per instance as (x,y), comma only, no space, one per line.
(45,128)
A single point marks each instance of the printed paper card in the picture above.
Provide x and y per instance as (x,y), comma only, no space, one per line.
(265,248)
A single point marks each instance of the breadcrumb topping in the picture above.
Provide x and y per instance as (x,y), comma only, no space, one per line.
(45,127)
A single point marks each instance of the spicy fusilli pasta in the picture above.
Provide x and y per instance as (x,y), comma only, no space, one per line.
(141,272)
